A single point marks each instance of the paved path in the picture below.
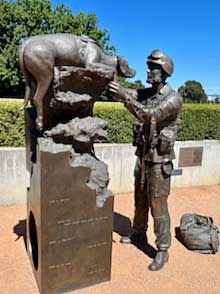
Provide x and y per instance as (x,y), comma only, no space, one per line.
(186,272)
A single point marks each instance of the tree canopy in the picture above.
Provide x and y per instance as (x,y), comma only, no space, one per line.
(193,92)
(132,85)
(126,84)
(21,19)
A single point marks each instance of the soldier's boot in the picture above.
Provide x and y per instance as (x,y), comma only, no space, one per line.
(135,237)
(160,259)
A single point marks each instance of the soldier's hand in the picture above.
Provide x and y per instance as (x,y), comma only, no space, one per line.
(117,91)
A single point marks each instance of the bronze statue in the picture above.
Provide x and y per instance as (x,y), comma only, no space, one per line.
(39,54)
(70,209)
(157,110)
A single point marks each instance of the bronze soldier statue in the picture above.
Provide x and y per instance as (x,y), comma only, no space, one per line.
(157,110)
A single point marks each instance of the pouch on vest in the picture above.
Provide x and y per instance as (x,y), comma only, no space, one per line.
(167,167)
(199,234)
(138,132)
(165,142)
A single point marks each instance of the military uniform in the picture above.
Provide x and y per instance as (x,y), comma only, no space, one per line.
(154,135)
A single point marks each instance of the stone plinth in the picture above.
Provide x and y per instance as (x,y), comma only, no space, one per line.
(70,209)
(73,93)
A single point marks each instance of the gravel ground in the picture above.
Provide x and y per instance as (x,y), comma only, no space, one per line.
(185,273)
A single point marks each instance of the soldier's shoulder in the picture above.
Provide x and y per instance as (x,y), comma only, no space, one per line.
(175,96)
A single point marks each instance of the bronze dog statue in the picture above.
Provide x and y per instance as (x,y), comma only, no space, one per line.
(39,54)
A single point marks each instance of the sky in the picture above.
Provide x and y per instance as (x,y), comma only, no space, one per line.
(188,31)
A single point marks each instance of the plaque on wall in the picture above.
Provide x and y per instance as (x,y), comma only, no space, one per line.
(190,156)
(177,172)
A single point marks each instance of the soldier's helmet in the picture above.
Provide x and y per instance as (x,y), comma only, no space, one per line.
(163,60)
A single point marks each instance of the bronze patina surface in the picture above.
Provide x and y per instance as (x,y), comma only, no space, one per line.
(157,110)
(69,230)
(70,209)
(38,56)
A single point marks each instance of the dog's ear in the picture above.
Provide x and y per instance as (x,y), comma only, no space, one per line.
(123,68)
(122,64)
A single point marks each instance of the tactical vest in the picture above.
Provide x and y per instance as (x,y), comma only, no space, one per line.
(156,142)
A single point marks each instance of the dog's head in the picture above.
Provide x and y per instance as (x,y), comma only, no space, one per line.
(123,68)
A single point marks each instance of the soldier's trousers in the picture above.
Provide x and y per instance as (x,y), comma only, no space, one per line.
(153,196)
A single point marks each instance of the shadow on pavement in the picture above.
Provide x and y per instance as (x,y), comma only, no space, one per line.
(20,231)
(178,236)
(122,226)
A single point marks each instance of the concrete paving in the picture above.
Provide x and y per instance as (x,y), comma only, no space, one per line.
(185,273)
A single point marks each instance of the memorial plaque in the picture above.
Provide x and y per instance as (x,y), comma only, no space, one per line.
(190,156)
(177,172)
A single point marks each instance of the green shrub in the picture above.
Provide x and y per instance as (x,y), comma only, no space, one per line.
(120,121)
(198,122)
(11,123)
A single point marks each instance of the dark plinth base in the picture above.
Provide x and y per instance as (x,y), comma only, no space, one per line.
(69,232)
(70,209)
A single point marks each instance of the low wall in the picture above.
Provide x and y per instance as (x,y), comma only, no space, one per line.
(203,156)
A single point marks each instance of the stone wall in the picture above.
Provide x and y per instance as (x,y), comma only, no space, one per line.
(120,160)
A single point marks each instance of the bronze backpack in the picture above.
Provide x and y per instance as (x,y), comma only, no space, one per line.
(198,233)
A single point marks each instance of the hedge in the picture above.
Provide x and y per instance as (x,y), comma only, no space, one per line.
(198,122)
(120,121)
(12,131)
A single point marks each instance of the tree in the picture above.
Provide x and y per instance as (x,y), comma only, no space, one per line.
(217,100)
(193,92)
(126,84)
(132,85)
(21,19)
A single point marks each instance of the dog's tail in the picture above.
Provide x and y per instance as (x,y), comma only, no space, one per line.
(26,76)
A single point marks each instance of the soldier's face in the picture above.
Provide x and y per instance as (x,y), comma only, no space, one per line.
(154,73)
